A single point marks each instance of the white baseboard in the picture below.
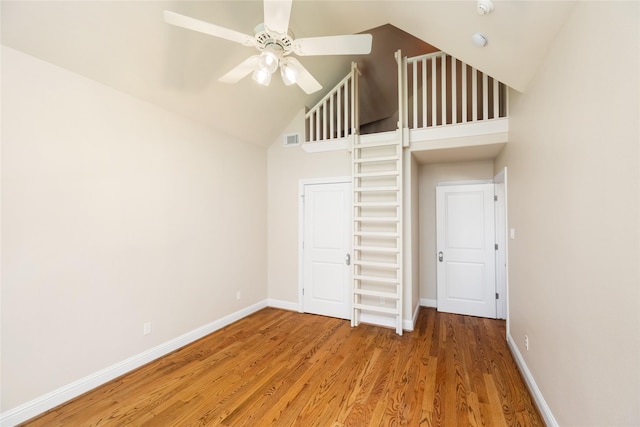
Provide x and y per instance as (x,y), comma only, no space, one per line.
(285,305)
(427,302)
(415,317)
(544,409)
(51,400)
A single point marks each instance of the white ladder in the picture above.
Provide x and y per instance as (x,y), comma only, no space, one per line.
(377,230)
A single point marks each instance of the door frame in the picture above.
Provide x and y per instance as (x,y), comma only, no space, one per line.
(502,255)
(302,183)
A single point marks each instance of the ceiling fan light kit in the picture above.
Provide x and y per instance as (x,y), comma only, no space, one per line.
(262,77)
(275,44)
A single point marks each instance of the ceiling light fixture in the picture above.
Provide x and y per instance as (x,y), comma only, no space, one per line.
(485,7)
(268,60)
(262,76)
(479,40)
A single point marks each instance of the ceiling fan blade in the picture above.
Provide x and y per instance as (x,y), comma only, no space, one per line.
(304,78)
(356,44)
(276,15)
(207,28)
(245,68)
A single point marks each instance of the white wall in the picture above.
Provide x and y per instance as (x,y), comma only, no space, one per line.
(573,192)
(286,167)
(114,213)
(429,176)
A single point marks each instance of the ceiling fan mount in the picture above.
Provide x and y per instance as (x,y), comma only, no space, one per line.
(276,43)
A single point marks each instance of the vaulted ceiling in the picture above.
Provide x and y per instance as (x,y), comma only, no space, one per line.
(126,45)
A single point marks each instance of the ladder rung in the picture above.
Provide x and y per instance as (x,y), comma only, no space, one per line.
(375,144)
(376,249)
(376,219)
(389,280)
(376,204)
(378,309)
(377,159)
(376,234)
(377,264)
(375,174)
(366,189)
(373,293)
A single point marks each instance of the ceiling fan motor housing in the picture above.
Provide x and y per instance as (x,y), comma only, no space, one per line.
(282,43)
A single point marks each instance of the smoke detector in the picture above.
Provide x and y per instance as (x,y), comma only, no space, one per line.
(485,7)
(479,40)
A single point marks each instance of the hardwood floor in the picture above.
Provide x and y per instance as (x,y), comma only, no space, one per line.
(284,368)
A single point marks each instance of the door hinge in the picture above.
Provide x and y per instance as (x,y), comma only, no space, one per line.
(495,197)
(303,291)
(496,246)
(497,295)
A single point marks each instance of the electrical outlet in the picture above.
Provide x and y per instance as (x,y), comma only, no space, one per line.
(238,295)
(146,328)
(526,342)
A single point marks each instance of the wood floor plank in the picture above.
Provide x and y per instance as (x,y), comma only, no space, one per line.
(283,368)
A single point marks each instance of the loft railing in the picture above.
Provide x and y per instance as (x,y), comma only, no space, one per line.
(336,115)
(440,90)
(434,91)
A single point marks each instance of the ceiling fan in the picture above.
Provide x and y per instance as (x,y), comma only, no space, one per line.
(273,40)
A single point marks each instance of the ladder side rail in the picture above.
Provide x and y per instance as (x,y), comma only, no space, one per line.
(400,240)
(355,269)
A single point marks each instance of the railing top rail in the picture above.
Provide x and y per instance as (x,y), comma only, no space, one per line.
(354,68)
(426,56)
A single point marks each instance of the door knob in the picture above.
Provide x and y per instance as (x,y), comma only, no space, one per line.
(348,259)
(440,256)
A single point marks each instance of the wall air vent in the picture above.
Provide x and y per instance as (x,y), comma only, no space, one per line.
(291,139)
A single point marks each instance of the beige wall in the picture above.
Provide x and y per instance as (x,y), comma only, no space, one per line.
(429,176)
(114,213)
(286,167)
(573,192)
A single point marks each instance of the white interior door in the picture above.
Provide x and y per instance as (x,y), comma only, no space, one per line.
(326,249)
(466,249)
